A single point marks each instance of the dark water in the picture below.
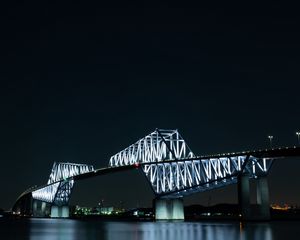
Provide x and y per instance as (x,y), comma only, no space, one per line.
(62,229)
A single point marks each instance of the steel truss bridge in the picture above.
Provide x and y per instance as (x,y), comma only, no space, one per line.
(170,166)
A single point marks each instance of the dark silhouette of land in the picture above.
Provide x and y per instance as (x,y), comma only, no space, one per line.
(198,212)
(192,213)
(231,211)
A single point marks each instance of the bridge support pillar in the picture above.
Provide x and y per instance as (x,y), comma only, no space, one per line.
(244,196)
(60,212)
(169,209)
(39,208)
(263,198)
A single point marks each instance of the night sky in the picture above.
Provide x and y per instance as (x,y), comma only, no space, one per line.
(81,81)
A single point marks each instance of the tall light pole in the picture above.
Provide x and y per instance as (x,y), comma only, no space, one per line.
(298,135)
(270,138)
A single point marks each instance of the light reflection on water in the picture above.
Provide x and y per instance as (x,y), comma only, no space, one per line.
(64,229)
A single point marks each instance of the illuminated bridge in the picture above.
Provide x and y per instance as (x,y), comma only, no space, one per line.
(173,171)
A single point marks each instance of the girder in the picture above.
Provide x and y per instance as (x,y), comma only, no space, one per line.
(183,177)
(59,185)
(158,146)
(173,169)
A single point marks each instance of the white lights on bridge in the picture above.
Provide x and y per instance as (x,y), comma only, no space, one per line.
(173,169)
(158,146)
(183,177)
(59,187)
(169,164)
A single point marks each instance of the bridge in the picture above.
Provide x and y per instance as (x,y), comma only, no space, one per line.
(173,172)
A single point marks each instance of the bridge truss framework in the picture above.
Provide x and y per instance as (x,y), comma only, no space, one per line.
(170,166)
(174,171)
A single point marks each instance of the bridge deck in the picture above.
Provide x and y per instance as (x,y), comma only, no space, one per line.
(275,153)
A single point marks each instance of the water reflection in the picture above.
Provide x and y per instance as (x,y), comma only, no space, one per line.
(256,231)
(189,231)
(63,229)
(54,229)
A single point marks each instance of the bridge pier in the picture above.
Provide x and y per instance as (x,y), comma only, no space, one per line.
(59,211)
(244,196)
(39,209)
(262,199)
(169,209)
(262,210)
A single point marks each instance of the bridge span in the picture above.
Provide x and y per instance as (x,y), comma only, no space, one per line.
(173,172)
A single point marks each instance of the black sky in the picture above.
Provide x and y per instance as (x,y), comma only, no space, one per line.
(81,81)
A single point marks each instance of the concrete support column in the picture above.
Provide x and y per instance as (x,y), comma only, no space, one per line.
(244,196)
(38,208)
(60,212)
(263,198)
(43,207)
(34,208)
(169,209)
